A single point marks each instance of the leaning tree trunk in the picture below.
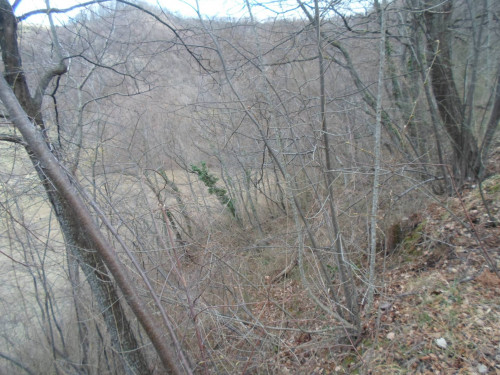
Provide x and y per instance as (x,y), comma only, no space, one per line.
(89,244)
(466,158)
(81,235)
(102,286)
(77,241)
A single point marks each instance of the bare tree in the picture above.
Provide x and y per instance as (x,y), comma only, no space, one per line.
(83,237)
(376,172)
(198,171)
(457,106)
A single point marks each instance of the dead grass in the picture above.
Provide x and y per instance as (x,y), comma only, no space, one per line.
(435,285)
(445,291)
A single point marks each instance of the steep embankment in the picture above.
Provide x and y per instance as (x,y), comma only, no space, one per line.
(440,310)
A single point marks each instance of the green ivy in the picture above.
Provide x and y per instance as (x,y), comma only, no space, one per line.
(210,180)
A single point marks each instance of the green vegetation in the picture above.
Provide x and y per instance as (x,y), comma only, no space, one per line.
(411,241)
(492,185)
(210,180)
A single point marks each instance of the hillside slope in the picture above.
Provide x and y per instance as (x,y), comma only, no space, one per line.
(441,288)
(438,311)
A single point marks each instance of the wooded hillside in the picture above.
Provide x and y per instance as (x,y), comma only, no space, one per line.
(247,195)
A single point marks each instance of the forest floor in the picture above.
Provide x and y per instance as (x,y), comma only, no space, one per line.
(438,311)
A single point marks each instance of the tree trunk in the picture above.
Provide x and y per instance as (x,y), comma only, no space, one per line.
(376,173)
(346,278)
(88,244)
(466,157)
(492,124)
(80,232)
(103,288)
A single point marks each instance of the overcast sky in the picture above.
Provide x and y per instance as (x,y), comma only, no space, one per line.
(209,8)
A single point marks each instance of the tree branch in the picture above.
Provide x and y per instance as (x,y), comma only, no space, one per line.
(58,70)
(16,363)
(174,31)
(56,10)
(12,138)
(58,177)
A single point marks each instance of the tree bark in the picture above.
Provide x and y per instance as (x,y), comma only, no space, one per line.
(466,158)
(492,125)
(81,234)
(88,244)
(376,173)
